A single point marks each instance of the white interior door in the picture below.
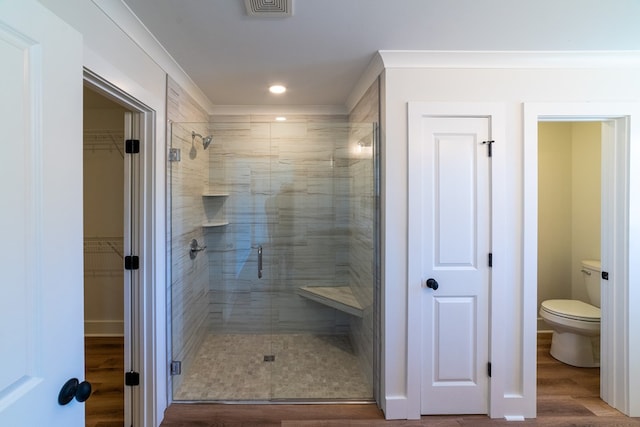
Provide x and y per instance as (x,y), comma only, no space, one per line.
(41,250)
(454,249)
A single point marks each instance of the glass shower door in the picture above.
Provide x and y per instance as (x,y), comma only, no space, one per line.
(220,296)
(272,261)
(321,247)
(240,265)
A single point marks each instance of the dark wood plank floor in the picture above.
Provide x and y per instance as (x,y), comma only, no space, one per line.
(567,396)
(104,369)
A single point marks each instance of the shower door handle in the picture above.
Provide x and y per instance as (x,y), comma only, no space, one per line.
(260,262)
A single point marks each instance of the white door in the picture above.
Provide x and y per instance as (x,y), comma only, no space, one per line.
(41,290)
(454,249)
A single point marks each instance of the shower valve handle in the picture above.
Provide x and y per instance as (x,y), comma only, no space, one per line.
(194,248)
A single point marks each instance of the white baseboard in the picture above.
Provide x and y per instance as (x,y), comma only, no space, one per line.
(102,328)
(543,326)
(395,408)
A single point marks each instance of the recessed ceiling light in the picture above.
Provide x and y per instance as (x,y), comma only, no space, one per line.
(281,119)
(277,89)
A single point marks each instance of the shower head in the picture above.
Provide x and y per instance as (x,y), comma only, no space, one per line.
(206,140)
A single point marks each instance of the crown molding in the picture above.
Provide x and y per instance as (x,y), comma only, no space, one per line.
(390,59)
(371,73)
(509,59)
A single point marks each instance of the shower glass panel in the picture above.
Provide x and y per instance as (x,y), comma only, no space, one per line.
(275,299)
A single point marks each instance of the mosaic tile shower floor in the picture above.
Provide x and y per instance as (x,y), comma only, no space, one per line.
(232,367)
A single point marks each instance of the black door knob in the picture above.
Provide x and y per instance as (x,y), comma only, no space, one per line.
(84,391)
(74,388)
(431,283)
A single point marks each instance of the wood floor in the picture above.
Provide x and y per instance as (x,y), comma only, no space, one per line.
(104,369)
(567,396)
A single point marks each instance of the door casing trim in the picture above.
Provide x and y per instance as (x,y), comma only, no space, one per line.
(144,343)
(621,383)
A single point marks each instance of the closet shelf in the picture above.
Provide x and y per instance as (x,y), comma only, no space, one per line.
(103,140)
(339,297)
(103,256)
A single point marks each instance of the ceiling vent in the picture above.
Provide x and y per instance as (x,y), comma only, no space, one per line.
(269,8)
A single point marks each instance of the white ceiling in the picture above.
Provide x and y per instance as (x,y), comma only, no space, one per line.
(321,51)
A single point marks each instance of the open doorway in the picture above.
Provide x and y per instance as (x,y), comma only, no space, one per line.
(143,343)
(569,249)
(104,290)
(616,325)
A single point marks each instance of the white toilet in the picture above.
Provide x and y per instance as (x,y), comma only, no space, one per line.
(575,324)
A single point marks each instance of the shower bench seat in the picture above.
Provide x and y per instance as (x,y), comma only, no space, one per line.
(339,297)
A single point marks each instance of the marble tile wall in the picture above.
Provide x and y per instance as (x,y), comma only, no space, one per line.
(287,187)
(188,287)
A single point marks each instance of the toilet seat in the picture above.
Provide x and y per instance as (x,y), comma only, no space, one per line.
(572,309)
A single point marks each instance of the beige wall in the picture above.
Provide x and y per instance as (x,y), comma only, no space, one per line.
(586,200)
(569,162)
(554,210)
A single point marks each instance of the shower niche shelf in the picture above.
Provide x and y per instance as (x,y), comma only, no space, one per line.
(212,224)
(339,297)
(213,204)
(215,194)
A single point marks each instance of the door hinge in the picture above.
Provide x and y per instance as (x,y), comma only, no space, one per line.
(605,275)
(131,262)
(489,144)
(176,367)
(490,260)
(489,369)
(174,154)
(132,378)
(132,146)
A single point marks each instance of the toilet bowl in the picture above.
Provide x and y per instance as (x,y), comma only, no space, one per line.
(576,324)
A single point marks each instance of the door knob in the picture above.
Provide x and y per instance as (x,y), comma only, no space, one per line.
(74,388)
(432,283)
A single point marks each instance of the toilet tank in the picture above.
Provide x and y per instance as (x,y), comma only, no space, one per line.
(591,276)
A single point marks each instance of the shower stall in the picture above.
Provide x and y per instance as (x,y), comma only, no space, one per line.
(273,246)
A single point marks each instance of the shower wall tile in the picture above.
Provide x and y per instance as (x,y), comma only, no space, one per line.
(307,198)
(282,195)
(188,287)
